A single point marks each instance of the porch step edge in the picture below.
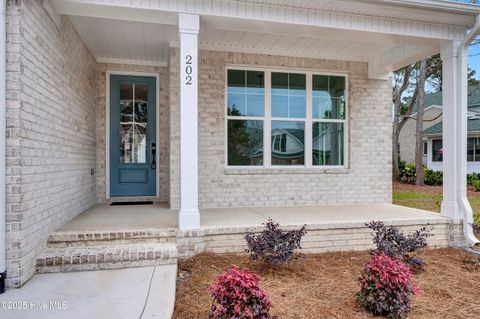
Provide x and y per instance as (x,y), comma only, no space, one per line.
(71,259)
(61,239)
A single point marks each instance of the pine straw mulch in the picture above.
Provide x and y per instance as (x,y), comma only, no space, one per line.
(324,285)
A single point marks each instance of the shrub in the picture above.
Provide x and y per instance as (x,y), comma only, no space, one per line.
(408,174)
(386,287)
(393,243)
(471,178)
(273,245)
(476,222)
(236,293)
(433,178)
(476,185)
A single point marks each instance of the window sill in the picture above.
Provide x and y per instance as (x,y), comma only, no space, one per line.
(292,170)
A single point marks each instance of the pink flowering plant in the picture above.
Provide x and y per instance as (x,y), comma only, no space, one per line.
(237,294)
(386,287)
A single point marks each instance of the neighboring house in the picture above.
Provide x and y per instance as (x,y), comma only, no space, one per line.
(201,105)
(434,145)
(407,137)
(432,133)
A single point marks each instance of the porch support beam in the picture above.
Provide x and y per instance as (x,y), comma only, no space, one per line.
(455,203)
(397,57)
(188,26)
(454,147)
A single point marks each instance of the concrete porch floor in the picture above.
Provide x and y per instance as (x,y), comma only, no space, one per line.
(159,216)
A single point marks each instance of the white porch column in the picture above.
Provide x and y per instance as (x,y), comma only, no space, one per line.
(453,151)
(189,216)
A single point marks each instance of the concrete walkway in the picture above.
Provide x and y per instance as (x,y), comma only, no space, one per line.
(147,292)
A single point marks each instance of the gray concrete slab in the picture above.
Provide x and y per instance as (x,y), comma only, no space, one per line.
(104,217)
(120,293)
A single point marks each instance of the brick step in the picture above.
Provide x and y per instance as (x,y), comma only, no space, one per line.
(71,259)
(63,239)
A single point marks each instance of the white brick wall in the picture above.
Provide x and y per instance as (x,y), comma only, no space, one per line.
(367,179)
(163,122)
(51,132)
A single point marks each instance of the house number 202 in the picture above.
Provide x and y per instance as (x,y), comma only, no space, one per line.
(188,70)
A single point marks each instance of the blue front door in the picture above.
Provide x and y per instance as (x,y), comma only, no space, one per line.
(132,136)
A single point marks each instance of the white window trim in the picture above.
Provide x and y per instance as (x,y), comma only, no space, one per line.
(267,119)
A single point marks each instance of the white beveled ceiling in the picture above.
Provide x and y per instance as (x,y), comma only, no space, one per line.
(121,41)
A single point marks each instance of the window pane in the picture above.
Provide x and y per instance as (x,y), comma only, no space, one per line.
(470,142)
(133,142)
(477,149)
(245,142)
(328,144)
(289,95)
(328,97)
(246,93)
(141,103)
(437,151)
(425,148)
(288,143)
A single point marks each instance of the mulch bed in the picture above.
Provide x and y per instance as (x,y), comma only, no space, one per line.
(324,285)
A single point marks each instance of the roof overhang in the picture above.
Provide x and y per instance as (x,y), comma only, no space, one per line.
(387,34)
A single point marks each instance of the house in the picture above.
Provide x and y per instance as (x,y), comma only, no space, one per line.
(434,145)
(432,133)
(432,116)
(214,115)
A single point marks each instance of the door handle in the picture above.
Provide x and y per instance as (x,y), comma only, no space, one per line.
(154,152)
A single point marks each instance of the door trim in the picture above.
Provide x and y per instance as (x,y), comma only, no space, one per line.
(108,73)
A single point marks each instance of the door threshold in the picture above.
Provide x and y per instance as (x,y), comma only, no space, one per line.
(145,202)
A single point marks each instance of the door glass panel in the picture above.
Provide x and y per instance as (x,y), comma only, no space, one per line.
(133,123)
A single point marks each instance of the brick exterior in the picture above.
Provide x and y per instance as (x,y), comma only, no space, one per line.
(50,132)
(56,107)
(163,122)
(366,180)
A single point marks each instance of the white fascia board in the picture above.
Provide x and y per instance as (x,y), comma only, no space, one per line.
(438,5)
(146,11)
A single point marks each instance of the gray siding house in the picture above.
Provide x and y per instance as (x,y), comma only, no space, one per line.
(214,115)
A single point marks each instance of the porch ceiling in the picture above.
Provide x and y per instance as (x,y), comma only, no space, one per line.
(387,34)
(112,40)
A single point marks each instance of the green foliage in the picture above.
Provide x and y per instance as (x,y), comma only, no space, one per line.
(476,185)
(476,219)
(408,175)
(471,178)
(432,177)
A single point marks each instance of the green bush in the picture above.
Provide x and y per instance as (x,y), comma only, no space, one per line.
(476,185)
(471,178)
(432,177)
(408,175)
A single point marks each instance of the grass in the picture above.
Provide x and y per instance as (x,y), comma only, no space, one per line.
(428,198)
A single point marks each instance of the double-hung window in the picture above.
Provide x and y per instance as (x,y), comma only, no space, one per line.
(281,118)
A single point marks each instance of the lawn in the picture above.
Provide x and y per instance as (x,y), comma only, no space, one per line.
(427,197)
(324,285)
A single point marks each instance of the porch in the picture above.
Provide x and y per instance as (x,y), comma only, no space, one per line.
(158,216)
(105,237)
(317,130)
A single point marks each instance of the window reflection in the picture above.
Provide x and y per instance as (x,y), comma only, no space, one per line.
(288,143)
(133,122)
